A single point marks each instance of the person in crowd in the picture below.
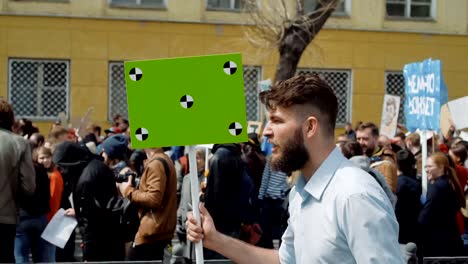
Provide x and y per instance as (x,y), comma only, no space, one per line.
(115,153)
(33,220)
(349,132)
(440,235)
(367,135)
(271,199)
(341,139)
(17,179)
(336,209)
(37,140)
(458,153)
(27,128)
(253,156)
(93,186)
(352,150)
(185,248)
(408,194)
(56,136)
(230,192)
(43,156)
(399,140)
(157,202)
(383,141)
(389,170)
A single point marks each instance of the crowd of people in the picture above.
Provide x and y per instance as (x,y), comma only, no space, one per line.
(296,183)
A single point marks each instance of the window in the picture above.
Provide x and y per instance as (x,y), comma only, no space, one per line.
(342,9)
(411,8)
(117,90)
(139,3)
(340,82)
(252,75)
(395,85)
(39,89)
(225,4)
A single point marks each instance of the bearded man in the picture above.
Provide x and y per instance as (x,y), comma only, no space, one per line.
(338,214)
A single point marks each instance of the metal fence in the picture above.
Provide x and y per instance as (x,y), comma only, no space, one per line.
(118,93)
(39,89)
(395,85)
(341,83)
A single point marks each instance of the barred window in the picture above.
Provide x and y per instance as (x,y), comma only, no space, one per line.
(139,3)
(340,82)
(39,89)
(395,85)
(118,92)
(252,75)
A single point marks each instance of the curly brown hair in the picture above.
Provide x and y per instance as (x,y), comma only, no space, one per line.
(308,90)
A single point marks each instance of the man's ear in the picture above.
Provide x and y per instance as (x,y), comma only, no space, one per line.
(311,126)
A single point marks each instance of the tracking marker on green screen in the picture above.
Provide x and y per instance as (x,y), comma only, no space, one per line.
(186,101)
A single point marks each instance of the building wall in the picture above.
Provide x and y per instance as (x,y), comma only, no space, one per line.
(90,44)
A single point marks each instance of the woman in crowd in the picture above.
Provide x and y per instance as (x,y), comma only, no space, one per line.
(43,156)
(440,235)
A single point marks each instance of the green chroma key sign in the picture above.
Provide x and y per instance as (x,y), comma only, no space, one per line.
(186,101)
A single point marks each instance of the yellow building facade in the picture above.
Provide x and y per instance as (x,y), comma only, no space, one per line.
(89,36)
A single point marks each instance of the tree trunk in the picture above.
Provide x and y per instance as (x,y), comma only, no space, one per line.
(297,37)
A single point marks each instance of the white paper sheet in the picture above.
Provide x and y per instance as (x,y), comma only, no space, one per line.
(59,229)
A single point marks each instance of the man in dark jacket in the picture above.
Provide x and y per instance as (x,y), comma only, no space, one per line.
(17,178)
(408,203)
(93,185)
(230,193)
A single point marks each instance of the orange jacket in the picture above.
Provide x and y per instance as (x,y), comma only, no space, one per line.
(56,189)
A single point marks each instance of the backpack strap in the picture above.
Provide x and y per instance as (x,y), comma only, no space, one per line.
(166,166)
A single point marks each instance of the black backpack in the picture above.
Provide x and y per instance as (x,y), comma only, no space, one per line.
(124,213)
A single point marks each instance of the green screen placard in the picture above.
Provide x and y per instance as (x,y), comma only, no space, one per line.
(186,101)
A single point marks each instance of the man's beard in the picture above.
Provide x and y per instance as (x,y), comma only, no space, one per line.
(293,155)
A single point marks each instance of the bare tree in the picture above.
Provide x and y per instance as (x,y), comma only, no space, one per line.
(274,26)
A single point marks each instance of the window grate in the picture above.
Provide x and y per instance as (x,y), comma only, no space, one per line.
(340,82)
(39,89)
(395,85)
(252,75)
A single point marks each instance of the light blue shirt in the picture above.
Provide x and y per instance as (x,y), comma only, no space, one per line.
(341,215)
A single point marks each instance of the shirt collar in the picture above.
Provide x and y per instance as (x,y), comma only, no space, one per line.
(321,178)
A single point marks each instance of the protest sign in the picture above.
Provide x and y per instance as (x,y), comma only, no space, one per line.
(425,93)
(390,110)
(458,109)
(187,101)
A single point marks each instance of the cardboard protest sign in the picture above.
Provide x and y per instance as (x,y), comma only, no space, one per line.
(458,109)
(186,101)
(390,111)
(446,120)
(425,93)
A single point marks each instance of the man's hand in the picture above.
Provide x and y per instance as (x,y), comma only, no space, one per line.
(206,232)
(124,185)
